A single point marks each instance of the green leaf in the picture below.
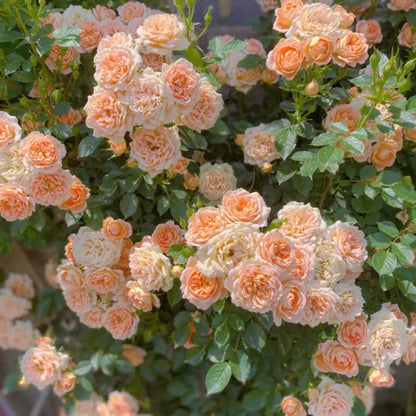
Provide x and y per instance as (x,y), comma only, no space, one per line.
(44,45)
(240,366)
(162,205)
(82,368)
(359,408)
(329,158)
(193,140)
(405,192)
(62,108)
(379,241)
(88,146)
(411,103)
(175,294)
(62,131)
(194,56)
(404,254)
(218,377)
(340,128)
(254,400)
(285,142)
(387,282)
(67,36)
(222,334)
(408,289)
(85,383)
(13,63)
(324,139)
(251,61)
(233,46)
(363,81)
(255,336)
(353,145)
(388,228)
(129,204)
(384,262)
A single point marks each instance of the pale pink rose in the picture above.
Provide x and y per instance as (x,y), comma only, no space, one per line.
(22,336)
(380,378)
(162,33)
(405,5)
(21,285)
(134,354)
(330,399)
(155,149)
(103,280)
(242,206)
(203,225)
(349,242)
(110,27)
(166,235)
(122,404)
(353,333)
(70,276)
(54,19)
(267,5)
(15,203)
(350,302)
(396,310)
(291,406)
(277,249)
(132,10)
(13,168)
(140,298)
(302,222)
(155,61)
(102,12)
(198,289)
(65,384)
(50,188)
(116,230)
(351,49)
(44,153)
(63,64)
(71,118)
(120,322)
(320,305)
(107,116)
(90,36)
(43,365)
(207,108)
(12,306)
(116,40)
(179,167)
(286,13)
(79,300)
(254,285)
(75,14)
(10,130)
(151,268)
(77,202)
(94,317)
(291,303)
(215,180)
(371,30)
(407,38)
(305,261)
(330,268)
(343,113)
(410,355)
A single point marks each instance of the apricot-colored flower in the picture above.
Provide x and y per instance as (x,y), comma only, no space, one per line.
(190,181)
(103,280)
(353,333)
(134,354)
(77,202)
(290,305)
(383,154)
(90,35)
(12,306)
(343,113)
(65,384)
(61,61)
(116,230)
(320,305)
(110,27)
(291,406)
(122,404)
(102,12)
(15,203)
(120,322)
(305,262)
(407,37)
(10,130)
(351,49)
(132,10)
(286,13)
(94,317)
(22,336)
(21,285)
(117,39)
(405,5)
(319,49)
(71,118)
(345,19)
(140,298)
(166,235)
(380,378)
(70,276)
(13,168)
(155,61)
(79,300)
(371,30)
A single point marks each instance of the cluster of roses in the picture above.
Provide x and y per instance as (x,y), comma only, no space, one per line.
(141,96)
(316,34)
(303,272)
(31,173)
(15,302)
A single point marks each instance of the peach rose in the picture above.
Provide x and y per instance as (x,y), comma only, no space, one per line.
(22,336)
(123,262)
(90,36)
(267,5)
(71,118)
(132,10)
(116,230)
(56,62)
(304,264)
(206,110)
(68,249)
(319,49)
(77,202)
(155,61)
(380,378)
(383,154)
(277,249)
(104,280)
(320,305)
(13,168)
(122,404)
(70,276)
(102,12)
(353,333)
(371,30)
(291,406)
(42,152)
(268,76)
(107,116)
(178,167)
(330,268)
(139,298)
(302,222)
(410,134)
(12,306)
(410,355)
(396,310)
(120,322)
(351,49)
(291,303)
(117,39)
(65,384)
(407,37)
(405,5)
(21,285)
(155,150)
(79,300)
(190,181)
(134,354)
(198,289)
(286,13)
(94,317)
(15,203)
(286,58)
(215,180)
(54,19)
(50,188)
(254,285)
(162,33)
(343,113)
(10,130)
(345,19)
(365,155)
(166,235)
(110,27)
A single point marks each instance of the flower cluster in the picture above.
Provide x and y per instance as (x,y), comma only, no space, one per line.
(31,173)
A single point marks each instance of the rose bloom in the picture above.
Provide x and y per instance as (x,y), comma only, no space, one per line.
(182,82)
(242,206)
(396,310)
(291,406)
(122,404)
(304,265)
(116,230)
(75,14)
(120,322)
(371,30)
(286,13)
(162,33)
(190,181)
(353,333)
(155,150)
(21,285)
(365,155)
(268,76)
(65,384)
(330,399)
(407,37)
(123,262)
(234,244)
(10,130)
(254,285)
(166,235)
(291,303)
(15,203)
(132,10)
(345,19)
(383,154)
(198,289)
(380,378)
(343,113)
(102,12)
(350,301)
(267,5)
(366,394)
(79,300)
(93,249)
(90,36)
(351,49)
(320,306)
(302,222)
(104,280)
(22,336)
(139,298)
(42,152)
(333,357)
(150,268)
(110,27)
(94,317)
(50,188)
(258,147)
(410,355)
(43,365)
(55,61)
(215,180)
(107,116)
(277,249)
(410,134)
(117,39)
(206,110)
(155,61)
(70,276)
(242,79)
(12,165)
(405,5)
(286,58)
(134,354)
(71,118)
(12,306)
(319,49)
(330,268)
(178,167)
(54,19)
(203,225)
(77,202)
(68,249)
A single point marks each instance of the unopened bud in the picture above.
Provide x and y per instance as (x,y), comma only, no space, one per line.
(239,139)
(176,271)
(312,89)
(267,167)
(132,163)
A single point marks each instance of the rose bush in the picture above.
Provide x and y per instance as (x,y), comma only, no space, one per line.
(234,225)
